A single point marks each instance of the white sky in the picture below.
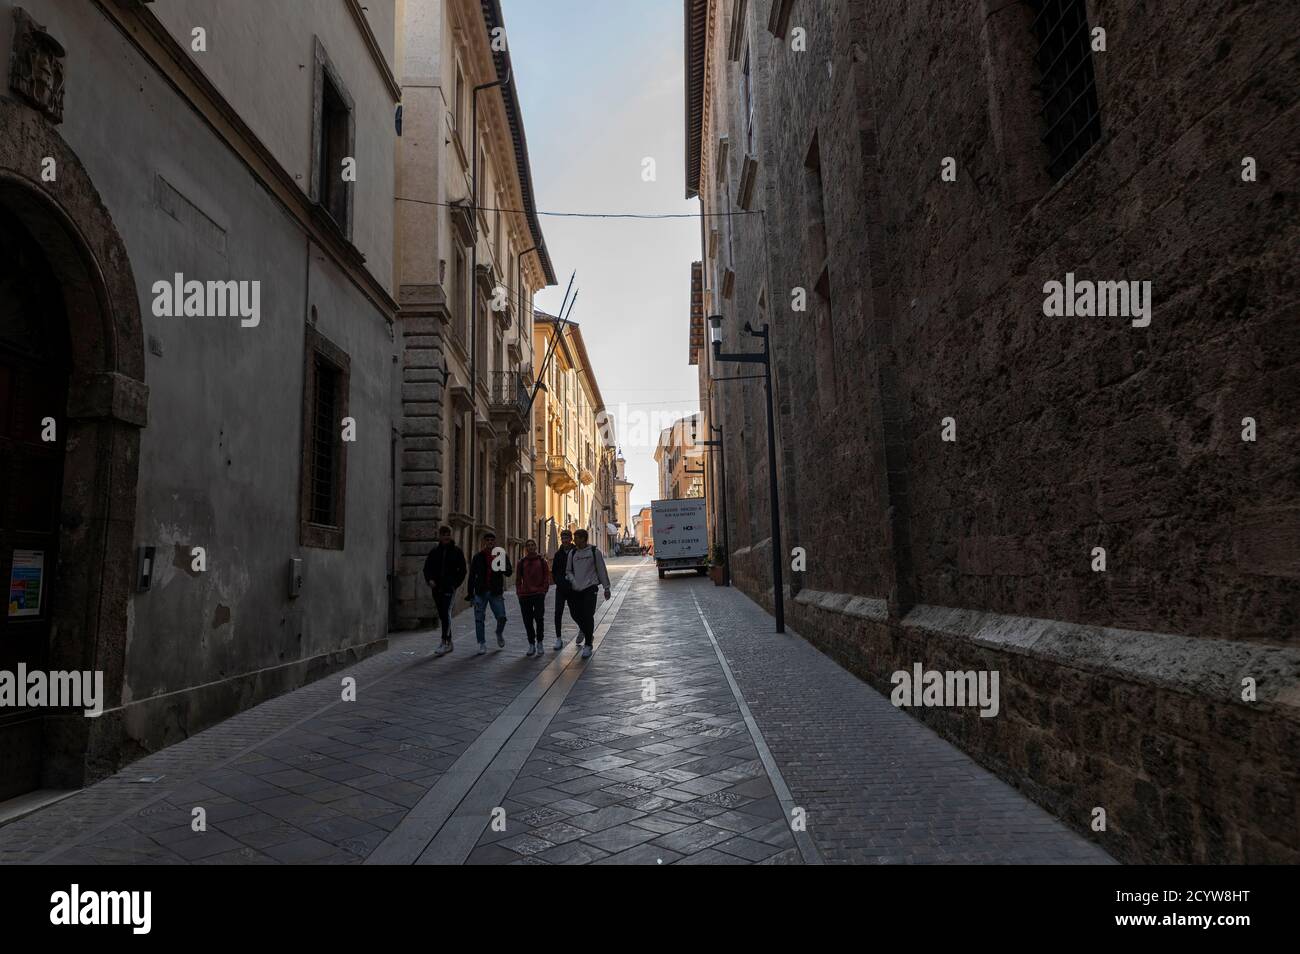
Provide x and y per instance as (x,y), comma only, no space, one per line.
(601,89)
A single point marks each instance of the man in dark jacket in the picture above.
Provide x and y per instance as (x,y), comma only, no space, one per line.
(563,595)
(487,582)
(444,569)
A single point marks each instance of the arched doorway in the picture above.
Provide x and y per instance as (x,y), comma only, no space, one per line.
(70,339)
(35,361)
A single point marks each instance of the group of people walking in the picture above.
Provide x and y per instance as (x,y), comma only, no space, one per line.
(577,570)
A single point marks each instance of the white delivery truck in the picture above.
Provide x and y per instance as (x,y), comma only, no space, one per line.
(681,535)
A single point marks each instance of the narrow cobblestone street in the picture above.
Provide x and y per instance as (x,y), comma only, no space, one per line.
(590,761)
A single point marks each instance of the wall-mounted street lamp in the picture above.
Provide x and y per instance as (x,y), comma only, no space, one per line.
(764,358)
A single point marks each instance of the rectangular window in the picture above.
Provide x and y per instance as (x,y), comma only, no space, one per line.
(482,486)
(498,257)
(1067,83)
(458,471)
(481,177)
(747,98)
(458,107)
(334,131)
(460,320)
(484,330)
(326,450)
(322,491)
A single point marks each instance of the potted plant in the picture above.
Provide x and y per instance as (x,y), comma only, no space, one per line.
(718,566)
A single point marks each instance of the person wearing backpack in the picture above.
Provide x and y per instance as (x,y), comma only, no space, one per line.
(586,573)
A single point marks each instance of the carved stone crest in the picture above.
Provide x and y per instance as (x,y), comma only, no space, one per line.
(36,66)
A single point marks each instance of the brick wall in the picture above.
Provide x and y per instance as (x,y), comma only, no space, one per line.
(1072,433)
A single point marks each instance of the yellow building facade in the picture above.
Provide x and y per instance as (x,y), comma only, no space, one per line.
(575,452)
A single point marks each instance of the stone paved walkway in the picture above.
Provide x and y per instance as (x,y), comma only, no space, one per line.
(507,759)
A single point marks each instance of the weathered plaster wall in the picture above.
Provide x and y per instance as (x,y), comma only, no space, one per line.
(220,458)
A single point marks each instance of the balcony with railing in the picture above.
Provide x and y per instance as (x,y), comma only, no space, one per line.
(561,474)
(508,400)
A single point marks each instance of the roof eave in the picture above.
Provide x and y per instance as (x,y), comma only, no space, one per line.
(695,31)
(509,95)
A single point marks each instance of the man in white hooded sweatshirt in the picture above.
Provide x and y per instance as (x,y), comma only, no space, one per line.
(586,573)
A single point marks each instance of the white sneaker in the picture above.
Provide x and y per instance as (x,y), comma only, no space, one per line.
(559,644)
(443,649)
(586,652)
(531,650)
(482,648)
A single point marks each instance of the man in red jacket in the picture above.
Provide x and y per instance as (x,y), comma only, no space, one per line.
(533,582)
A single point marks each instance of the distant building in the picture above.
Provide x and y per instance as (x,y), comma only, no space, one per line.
(643,529)
(681,460)
(622,499)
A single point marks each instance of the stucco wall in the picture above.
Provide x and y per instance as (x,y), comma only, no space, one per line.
(261,57)
(220,457)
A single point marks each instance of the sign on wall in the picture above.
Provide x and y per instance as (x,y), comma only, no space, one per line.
(25,579)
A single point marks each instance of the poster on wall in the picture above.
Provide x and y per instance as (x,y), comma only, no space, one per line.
(25,579)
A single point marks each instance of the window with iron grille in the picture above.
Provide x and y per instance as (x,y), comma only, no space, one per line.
(324,456)
(325,444)
(1066,81)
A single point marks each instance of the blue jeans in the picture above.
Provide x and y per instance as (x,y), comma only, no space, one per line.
(481,602)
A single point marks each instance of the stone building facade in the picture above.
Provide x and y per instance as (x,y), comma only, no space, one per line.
(468,268)
(575,450)
(196,353)
(1101,507)
(643,529)
(680,457)
(622,498)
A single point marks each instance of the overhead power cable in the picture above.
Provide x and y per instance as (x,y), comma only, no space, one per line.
(599,215)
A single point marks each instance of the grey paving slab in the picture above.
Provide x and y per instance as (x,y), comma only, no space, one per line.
(877,785)
(309,756)
(652,712)
(684,740)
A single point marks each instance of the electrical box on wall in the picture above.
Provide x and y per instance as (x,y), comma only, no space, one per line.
(144,568)
(295,577)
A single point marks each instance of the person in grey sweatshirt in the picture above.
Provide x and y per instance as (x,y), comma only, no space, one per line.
(586,573)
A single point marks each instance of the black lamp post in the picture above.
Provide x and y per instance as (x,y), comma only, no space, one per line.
(722,484)
(764,358)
